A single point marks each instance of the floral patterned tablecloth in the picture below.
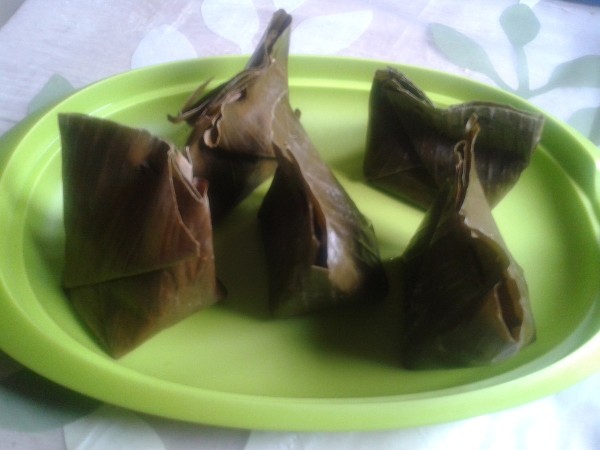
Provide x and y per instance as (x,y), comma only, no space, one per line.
(546,51)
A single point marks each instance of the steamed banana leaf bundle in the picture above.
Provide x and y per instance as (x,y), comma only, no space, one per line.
(138,250)
(410,141)
(230,144)
(465,298)
(321,251)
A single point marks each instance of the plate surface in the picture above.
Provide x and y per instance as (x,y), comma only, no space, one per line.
(233,365)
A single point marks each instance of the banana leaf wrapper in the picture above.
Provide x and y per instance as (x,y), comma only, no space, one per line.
(465,298)
(138,234)
(321,250)
(230,144)
(409,147)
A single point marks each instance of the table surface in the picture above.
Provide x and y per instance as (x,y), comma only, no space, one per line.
(49,48)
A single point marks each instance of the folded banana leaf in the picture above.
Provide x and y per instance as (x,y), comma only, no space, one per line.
(465,298)
(230,144)
(138,234)
(410,142)
(321,251)
(237,130)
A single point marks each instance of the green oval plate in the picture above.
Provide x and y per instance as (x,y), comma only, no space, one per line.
(234,366)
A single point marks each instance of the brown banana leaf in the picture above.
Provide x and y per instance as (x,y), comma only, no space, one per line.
(321,251)
(465,298)
(138,234)
(230,144)
(410,142)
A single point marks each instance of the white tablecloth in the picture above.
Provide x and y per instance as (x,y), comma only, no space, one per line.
(48,48)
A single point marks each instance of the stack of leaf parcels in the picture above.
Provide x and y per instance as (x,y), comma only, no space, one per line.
(231,142)
(464,298)
(321,251)
(139,213)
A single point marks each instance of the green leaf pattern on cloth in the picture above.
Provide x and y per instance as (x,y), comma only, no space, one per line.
(587,120)
(521,26)
(579,72)
(464,51)
(56,88)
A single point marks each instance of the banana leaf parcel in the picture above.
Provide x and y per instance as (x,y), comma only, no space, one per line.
(465,297)
(409,146)
(138,251)
(230,142)
(321,251)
